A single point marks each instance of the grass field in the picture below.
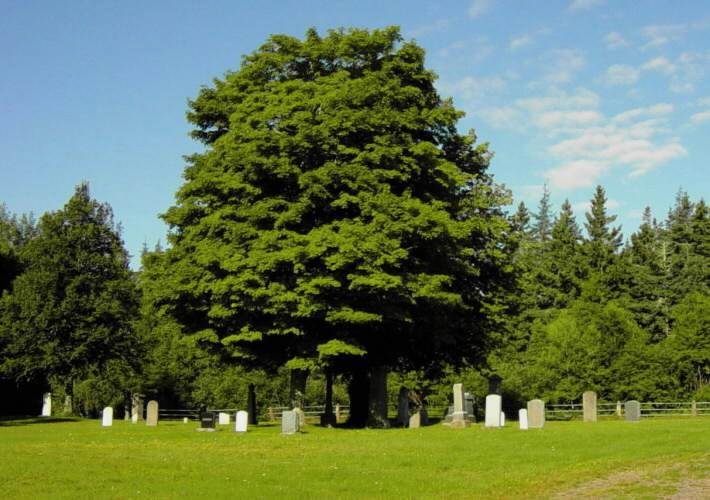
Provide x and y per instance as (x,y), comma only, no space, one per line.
(78,458)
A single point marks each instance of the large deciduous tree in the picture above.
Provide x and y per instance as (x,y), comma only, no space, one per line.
(336,217)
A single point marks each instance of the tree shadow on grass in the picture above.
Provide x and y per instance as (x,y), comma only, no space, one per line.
(16,421)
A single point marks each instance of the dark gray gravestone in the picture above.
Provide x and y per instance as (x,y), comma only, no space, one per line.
(403,407)
(207,420)
(632,409)
(289,422)
(468,404)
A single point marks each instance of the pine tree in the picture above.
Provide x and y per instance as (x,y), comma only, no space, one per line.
(541,228)
(602,241)
(520,220)
(565,254)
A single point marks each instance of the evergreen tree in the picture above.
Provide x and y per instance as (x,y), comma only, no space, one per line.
(603,241)
(541,228)
(520,221)
(564,256)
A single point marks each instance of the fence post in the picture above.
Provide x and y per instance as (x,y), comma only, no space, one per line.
(337,413)
(271,414)
(618,408)
(693,409)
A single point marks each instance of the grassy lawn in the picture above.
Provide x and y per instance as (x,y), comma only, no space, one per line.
(78,458)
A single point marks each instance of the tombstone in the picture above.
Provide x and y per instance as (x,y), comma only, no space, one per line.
(301,417)
(468,406)
(493,410)
(693,409)
(536,414)
(207,421)
(502,419)
(137,408)
(523,419)
(289,422)
(107,417)
(415,420)
(458,416)
(184,420)
(126,412)
(632,409)
(251,405)
(151,417)
(223,418)
(589,406)
(46,404)
(618,409)
(241,421)
(403,406)
(495,383)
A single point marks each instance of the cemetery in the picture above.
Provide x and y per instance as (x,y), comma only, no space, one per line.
(385,262)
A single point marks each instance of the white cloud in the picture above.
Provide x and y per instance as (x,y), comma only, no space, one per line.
(505,117)
(438,25)
(567,119)
(659,35)
(656,110)
(584,4)
(561,65)
(614,40)
(701,117)
(576,174)
(520,42)
(704,101)
(473,88)
(580,99)
(621,74)
(478,8)
(660,64)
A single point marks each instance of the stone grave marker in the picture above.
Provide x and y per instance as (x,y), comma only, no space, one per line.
(468,405)
(137,408)
(223,418)
(46,404)
(502,419)
(493,410)
(301,417)
(523,419)
(632,409)
(151,417)
(536,414)
(185,420)
(207,421)
(415,420)
(458,417)
(289,422)
(241,421)
(589,406)
(107,417)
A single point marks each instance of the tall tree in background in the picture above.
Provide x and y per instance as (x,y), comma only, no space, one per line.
(603,240)
(542,225)
(69,315)
(565,258)
(336,216)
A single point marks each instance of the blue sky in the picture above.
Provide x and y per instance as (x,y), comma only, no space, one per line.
(568,92)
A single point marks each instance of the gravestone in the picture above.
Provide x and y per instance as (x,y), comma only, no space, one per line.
(107,417)
(415,420)
(223,418)
(126,412)
(458,416)
(289,422)
(185,420)
(589,406)
(301,417)
(632,409)
(241,421)
(251,405)
(523,419)
(46,404)
(502,419)
(207,421)
(493,410)
(137,408)
(536,414)
(468,406)
(151,417)
(403,406)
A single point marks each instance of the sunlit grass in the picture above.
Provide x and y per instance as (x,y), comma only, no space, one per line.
(81,459)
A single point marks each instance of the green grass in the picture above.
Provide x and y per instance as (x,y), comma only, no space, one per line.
(78,458)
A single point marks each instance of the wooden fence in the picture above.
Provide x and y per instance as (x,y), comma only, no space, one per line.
(648,409)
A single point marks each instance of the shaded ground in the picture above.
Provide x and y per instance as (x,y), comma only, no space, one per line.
(686,479)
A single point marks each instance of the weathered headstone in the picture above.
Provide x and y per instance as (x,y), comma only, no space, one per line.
(536,414)
(493,410)
(403,406)
(251,405)
(415,420)
(126,412)
(632,409)
(458,415)
(223,418)
(468,406)
(185,420)
(137,408)
(523,419)
(107,417)
(589,406)
(241,421)
(301,417)
(46,404)
(207,421)
(618,409)
(502,419)
(151,417)
(289,422)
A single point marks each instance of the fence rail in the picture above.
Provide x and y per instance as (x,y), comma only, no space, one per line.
(568,411)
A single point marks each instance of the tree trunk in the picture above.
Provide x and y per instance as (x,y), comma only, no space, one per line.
(297,388)
(328,415)
(377,409)
(358,391)
(252,406)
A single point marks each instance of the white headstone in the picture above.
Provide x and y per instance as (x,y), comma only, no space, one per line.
(289,422)
(458,417)
(242,421)
(523,419)
(107,417)
(184,420)
(493,407)
(46,404)
(134,418)
(223,418)
(502,419)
